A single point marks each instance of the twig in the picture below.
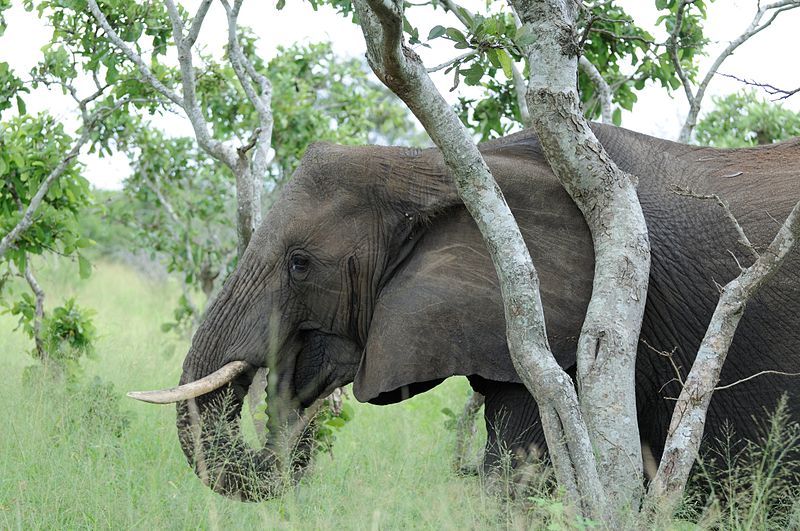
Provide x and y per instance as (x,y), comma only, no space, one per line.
(243,149)
(451,61)
(619,37)
(671,357)
(772,90)
(755,27)
(761,373)
(743,239)
(456,10)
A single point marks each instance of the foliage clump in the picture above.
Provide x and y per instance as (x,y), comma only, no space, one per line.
(67,335)
(743,119)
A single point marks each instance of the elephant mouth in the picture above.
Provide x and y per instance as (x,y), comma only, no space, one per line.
(208,424)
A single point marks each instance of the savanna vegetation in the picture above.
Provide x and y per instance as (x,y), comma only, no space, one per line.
(79,455)
(101,290)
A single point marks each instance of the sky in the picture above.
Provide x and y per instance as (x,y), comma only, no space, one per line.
(768,58)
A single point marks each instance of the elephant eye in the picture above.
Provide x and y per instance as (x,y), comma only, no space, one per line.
(298,265)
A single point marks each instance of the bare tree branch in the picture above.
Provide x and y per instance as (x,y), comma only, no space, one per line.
(756,26)
(248,171)
(38,313)
(190,104)
(451,62)
(249,179)
(456,10)
(609,339)
(403,72)
(743,239)
(753,376)
(688,420)
(772,90)
(603,90)
(465,429)
(672,47)
(135,58)
(520,91)
(197,22)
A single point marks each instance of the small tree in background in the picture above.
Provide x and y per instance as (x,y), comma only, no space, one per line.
(743,119)
(180,201)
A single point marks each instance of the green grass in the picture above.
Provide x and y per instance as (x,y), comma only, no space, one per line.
(64,468)
(93,459)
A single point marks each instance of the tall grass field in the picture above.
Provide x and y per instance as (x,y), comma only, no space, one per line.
(86,457)
(93,459)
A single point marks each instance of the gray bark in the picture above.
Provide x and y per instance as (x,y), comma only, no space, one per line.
(607,197)
(38,316)
(465,429)
(403,72)
(602,87)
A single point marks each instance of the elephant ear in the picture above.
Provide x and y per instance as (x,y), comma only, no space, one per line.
(441,313)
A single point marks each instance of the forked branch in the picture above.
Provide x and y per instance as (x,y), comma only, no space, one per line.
(757,25)
(403,72)
(688,420)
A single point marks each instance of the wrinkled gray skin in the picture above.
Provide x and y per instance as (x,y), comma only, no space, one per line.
(369,270)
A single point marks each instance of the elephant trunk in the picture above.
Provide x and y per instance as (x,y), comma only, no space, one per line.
(209,434)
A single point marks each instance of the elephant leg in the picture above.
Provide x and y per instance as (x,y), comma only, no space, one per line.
(514,431)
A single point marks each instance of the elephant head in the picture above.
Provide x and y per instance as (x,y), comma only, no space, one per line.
(359,273)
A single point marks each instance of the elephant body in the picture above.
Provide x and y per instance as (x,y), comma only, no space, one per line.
(369,270)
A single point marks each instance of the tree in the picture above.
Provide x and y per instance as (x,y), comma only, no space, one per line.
(610,41)
(601,475)
(318,97)
(743,119)
(680,33)
(43,193)
(40,199)
(179,206)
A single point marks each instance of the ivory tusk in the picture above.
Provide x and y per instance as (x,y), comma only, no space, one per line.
(213,381)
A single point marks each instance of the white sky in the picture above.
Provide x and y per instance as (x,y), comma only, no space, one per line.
(769,58)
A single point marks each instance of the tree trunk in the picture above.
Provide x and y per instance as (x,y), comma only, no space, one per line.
(403,72)
(607,198)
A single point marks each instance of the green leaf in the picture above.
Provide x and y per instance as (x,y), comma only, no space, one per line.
(491,53)
(456,35)
(506,62)
(21,105)
(436,32)
(524,37)
(336,422)
(84,267)
(473,74)
(616,117)
(347,412)
(280,5)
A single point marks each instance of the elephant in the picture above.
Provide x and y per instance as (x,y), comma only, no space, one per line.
(369,270)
